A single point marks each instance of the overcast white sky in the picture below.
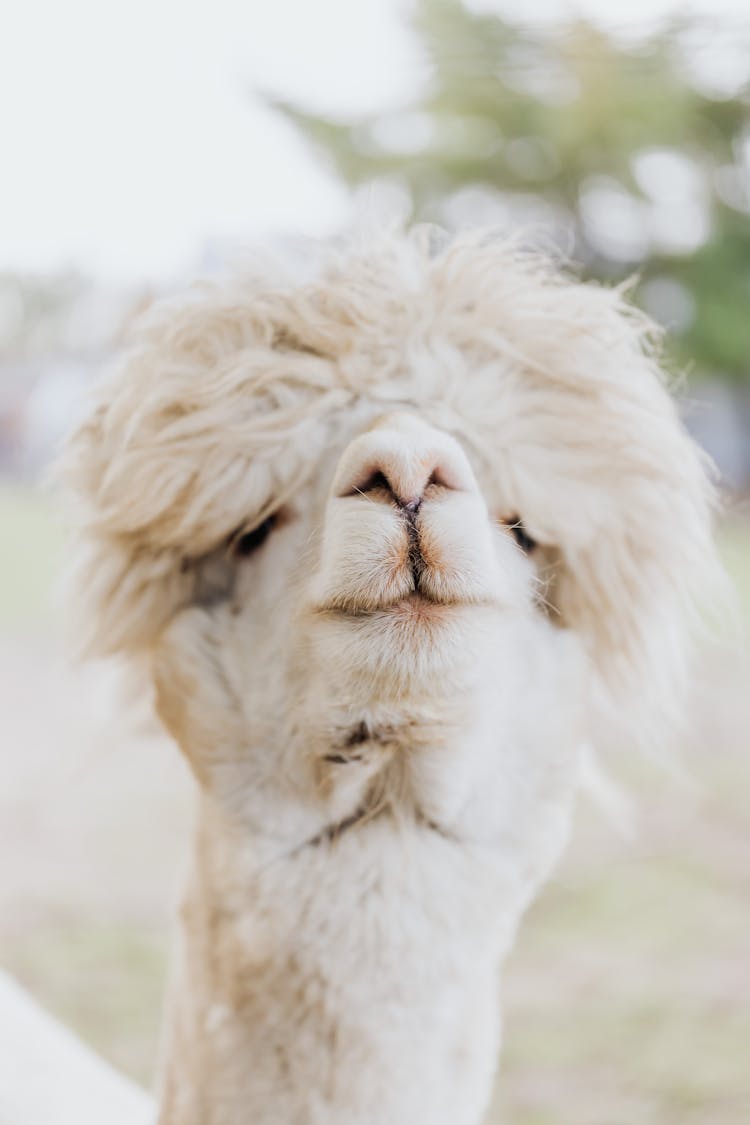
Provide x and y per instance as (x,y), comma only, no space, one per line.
(129,134)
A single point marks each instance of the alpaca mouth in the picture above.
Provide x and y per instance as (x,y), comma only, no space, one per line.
(421,610)
(414,605)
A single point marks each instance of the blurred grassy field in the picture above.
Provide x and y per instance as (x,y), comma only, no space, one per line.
(627,1001)
(29,557)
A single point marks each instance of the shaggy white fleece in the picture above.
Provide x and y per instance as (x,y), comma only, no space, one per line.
(396,541)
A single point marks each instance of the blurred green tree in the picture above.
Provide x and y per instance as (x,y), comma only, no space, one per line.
(635,155)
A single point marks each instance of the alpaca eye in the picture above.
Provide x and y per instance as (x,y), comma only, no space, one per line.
(250,541)
(520,534)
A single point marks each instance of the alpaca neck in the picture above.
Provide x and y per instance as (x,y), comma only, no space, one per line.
(353,980)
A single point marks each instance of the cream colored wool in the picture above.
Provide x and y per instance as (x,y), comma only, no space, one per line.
(384,779)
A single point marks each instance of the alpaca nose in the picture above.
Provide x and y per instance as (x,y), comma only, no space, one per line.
(398,459)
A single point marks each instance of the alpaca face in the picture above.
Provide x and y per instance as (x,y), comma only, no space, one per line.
(307,503)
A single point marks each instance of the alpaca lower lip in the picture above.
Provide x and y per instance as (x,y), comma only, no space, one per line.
(414,604)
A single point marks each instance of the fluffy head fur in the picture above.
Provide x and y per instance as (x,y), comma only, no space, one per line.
(387,695)
(229,396)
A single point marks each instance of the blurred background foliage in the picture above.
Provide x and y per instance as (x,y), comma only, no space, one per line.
(632,153)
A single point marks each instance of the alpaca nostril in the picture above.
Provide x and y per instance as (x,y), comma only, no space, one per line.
(374,481)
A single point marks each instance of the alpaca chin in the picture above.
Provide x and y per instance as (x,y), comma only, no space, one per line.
(414,648)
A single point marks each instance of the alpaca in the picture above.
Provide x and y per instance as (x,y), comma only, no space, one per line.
(395,541)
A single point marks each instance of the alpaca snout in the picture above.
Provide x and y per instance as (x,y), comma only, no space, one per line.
(405,517)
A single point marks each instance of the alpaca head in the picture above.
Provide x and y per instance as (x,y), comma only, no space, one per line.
(414,498)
